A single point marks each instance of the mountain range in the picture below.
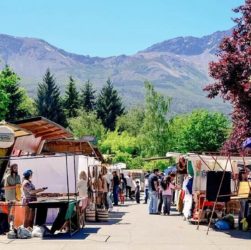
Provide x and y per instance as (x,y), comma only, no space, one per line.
(177,67)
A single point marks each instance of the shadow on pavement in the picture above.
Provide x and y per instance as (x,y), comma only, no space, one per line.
(239,234)
(80,235)
(114,218)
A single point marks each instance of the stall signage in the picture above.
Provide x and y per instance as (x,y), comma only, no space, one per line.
(7,137)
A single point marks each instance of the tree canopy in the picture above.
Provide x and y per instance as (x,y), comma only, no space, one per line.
(88,100)
(109,106)
(131,121)
(199,131)
(71,100)
(14,101)
(87,124)
(154,132)
(48,102)
(232,73)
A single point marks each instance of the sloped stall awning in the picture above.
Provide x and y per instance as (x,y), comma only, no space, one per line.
(72,146)
(44,128)
(17,130)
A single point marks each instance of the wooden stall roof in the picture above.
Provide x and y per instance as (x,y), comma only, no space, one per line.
(72,146)
(18,130)
(44,128)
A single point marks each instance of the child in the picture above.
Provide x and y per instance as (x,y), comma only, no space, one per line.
(137,192)
(167,188)
(121,191)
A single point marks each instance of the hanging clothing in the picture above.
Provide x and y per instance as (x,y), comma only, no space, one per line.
(188,199)
(189,186)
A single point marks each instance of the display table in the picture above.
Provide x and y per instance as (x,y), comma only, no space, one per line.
(69,212)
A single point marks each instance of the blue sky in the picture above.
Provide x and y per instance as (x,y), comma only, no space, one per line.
(113,27)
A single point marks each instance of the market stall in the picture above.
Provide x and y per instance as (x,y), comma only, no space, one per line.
(212,188)
(57,170)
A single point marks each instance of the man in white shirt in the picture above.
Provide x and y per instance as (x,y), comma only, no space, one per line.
(129,185)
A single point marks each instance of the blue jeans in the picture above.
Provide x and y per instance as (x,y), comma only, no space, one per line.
(109,200)
(153,204)
(116,195)
(167,199)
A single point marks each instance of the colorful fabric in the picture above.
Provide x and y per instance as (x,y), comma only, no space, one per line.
(4,207)
(190,168)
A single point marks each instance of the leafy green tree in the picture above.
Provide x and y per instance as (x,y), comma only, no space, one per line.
(71,100)
(131,122)
(88,101)
(154,133)
(87,124)
(4,98)
(123,142)
(13,98)
(200,131)
(159,164)
(109,106)
(123,148)
(27,104)
(48,102)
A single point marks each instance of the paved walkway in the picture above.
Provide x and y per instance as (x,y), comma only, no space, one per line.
(132,228)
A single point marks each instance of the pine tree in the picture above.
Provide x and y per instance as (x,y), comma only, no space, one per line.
(48,102)
(88,97)
(109,106)
(71,102)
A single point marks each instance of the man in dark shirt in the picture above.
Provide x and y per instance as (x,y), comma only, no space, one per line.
(115,183)
(153,191)
(160,200)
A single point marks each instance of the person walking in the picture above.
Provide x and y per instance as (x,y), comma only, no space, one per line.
(160,200)
(137,192)
(122,188)
(108,177)
(115,188)
(153,191)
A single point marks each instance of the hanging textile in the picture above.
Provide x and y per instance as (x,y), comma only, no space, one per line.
(213,184)
(200,176)
(190,168)
(189,186)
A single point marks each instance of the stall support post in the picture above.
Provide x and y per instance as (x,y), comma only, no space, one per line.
(68,190)
(235,182)
(75,194)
